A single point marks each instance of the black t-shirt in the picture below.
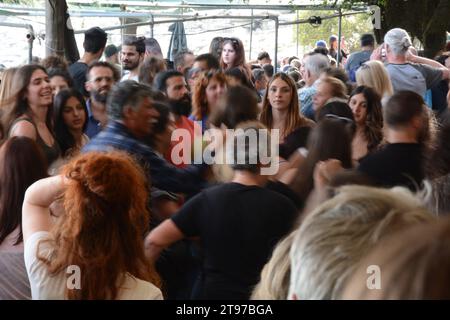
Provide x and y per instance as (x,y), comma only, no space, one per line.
(396,164)
(296,139)
(77,71)
(238,227)
(283,189)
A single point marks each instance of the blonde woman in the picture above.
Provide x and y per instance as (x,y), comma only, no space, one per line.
(6,88)
(374,74)
(415,265)
(335,237)
(274,283)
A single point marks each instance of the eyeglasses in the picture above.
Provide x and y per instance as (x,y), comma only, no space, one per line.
(343,119)
(364,66)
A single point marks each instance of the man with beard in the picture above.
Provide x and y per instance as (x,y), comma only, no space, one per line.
(400,162)
(173,85)
(133,51)
(101,76)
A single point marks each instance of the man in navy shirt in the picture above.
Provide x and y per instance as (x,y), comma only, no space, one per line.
(101,76)
(94,45)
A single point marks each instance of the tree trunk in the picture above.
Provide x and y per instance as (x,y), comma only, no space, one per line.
(433,43)
(71,53)
(54,27)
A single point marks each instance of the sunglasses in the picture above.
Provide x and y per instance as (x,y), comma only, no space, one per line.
(234,41)
(342,119)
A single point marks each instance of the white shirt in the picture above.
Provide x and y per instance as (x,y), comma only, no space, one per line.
(47,287)
(128,77)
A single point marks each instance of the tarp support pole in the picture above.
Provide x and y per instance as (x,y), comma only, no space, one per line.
(296,36)
(338,57)
(251,38)
(275,18)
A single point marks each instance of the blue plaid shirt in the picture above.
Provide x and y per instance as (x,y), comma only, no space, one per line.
(305,97)
(163,175)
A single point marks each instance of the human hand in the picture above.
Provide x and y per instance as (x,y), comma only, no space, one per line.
(377,54)
(325,171)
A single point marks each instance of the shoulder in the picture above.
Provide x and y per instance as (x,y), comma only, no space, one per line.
(23,127)
(137,289)
(307,125)
(78,68)
(31,246)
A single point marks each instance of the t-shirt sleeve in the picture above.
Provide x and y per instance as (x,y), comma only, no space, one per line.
(291,213)
(187,219)
(36,269)
(432,75)
(349,63)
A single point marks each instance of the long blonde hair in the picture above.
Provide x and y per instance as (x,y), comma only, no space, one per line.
(333,239)
(373,74)
(414,264)
(6,88)
(275,276)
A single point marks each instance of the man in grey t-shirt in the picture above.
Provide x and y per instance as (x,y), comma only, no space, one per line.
(413,77)
(407,70)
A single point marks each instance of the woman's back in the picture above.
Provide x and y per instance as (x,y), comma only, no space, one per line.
(47,287)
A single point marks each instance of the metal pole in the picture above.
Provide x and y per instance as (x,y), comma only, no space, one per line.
(251,38)
(276,43)
(338,57)
(30,47)
(323,18)
(296,36)
(137,24)
(152,25)
(30,35)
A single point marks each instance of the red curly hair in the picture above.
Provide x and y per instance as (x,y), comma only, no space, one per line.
(200,107)
(105,220)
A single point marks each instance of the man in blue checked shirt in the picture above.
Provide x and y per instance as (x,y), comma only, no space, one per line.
(131,118)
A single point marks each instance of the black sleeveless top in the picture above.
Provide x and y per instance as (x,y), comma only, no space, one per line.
(51,153)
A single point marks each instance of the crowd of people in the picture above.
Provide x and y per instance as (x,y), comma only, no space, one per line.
(103,195)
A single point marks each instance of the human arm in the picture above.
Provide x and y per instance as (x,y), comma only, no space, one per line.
(432,63)
(324,171)
(167,177)
(23,128)
(38,198)
(160,238)
(377,54)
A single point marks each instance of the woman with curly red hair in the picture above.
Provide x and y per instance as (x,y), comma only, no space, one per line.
(207,91)
(95,249)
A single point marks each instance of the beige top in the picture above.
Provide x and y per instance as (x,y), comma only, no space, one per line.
(47,287)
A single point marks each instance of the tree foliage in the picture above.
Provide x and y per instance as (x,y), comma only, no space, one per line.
(352,28)
(426,20)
